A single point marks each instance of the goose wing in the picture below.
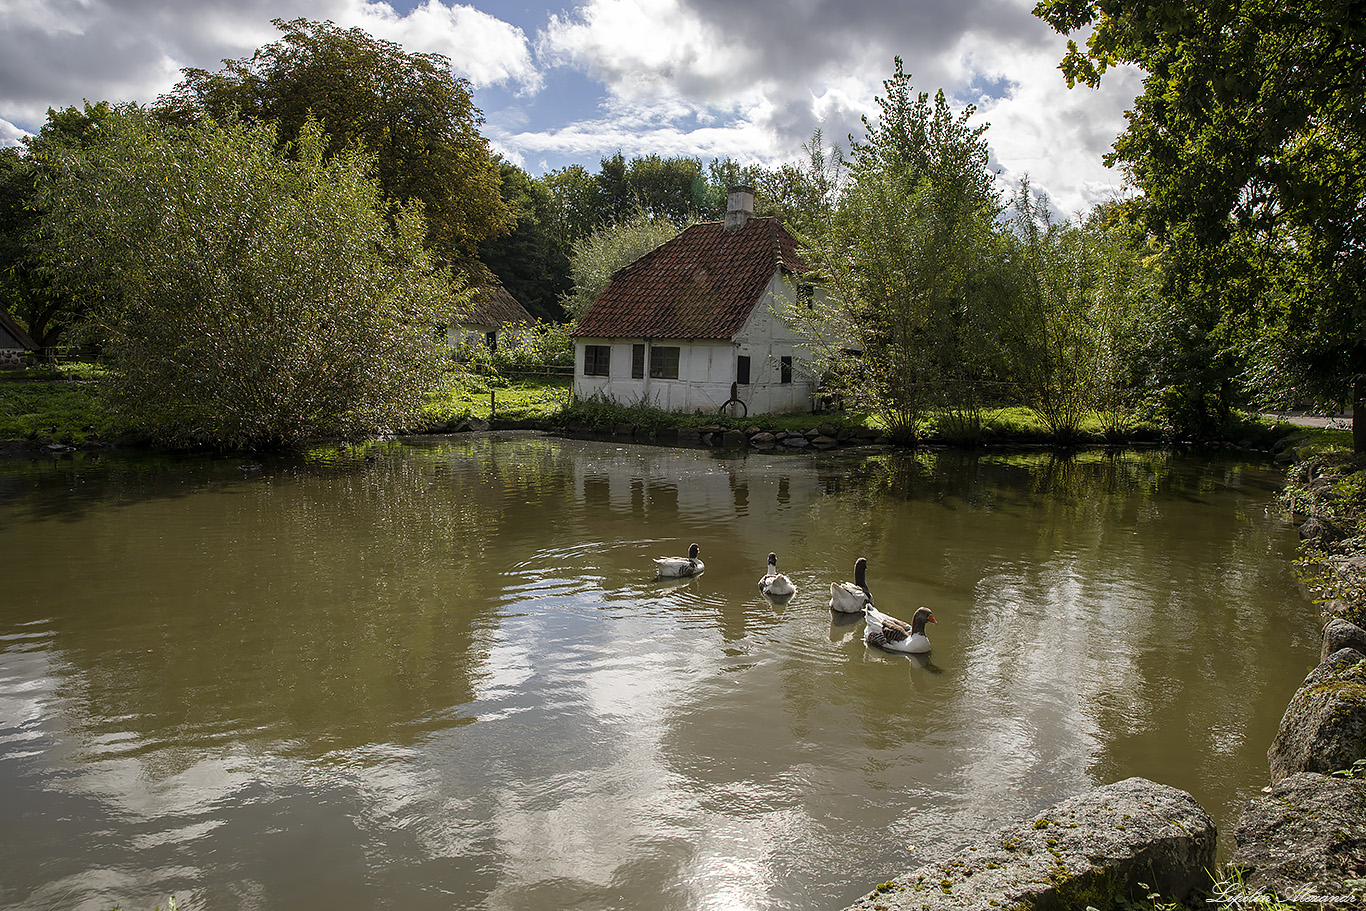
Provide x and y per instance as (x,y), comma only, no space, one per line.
(890,629)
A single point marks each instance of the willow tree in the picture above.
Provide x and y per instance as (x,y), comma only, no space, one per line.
(248,297)
(903,260)
(598,256)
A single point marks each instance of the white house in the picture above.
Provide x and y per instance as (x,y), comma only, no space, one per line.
(691,320)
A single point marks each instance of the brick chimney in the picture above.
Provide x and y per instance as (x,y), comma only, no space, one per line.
(739,207)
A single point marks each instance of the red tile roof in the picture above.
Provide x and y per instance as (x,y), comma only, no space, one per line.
(702,284)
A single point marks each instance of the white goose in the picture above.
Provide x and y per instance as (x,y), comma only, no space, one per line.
(850,597)
(674,567)
(898,635)
(775,584)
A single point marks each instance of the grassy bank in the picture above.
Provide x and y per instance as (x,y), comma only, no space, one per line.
(54,406)
(46,406)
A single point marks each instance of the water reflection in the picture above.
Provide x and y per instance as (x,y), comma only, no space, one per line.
(442,674)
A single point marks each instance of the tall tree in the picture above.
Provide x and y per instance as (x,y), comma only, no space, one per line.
(533,260)
(908,244)
(248,299)
(1079,290)
(1249,144)
(47,309)
(577,209)
(673,188)
(406,109)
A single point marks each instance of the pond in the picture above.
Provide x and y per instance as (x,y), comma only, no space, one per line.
(440,673)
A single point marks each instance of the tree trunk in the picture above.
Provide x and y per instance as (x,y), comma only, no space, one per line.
(1359,413)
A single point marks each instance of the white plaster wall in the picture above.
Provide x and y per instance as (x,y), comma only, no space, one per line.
(706,369)
(766,339)
(705,372)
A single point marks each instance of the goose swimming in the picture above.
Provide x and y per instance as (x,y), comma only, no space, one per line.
(775,584)
(897,635)
(674,567)
(850,597)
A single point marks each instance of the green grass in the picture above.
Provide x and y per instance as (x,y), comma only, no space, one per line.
(60,405)
(485,397)
(1310,440)
(53,405)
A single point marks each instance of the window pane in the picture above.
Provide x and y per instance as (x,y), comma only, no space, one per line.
(742,370)
(637,361)
(664,363)
(596,360)
(786,370)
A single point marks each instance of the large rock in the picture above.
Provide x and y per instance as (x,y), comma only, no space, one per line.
(1340,634)
(1304,839)
(1324,726)
(1122,840)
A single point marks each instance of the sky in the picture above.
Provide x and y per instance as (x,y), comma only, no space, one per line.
(576,81)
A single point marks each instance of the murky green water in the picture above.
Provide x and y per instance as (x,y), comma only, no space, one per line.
(443,676)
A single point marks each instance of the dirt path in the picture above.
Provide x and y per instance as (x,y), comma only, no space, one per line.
(1332,422)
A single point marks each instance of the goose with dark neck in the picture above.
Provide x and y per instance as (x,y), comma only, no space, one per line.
(676,567)
(888,632)
(776,584)
(850,597)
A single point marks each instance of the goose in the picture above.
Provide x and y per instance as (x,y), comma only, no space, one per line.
(850,597)
(775,584)
(673,567)
(898,635)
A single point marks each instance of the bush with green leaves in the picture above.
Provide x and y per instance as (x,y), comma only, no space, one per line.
(250,296)
(522,347)
(597,257)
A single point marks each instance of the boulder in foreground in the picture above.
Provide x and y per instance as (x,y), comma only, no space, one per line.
(1122,840)
(1305,840)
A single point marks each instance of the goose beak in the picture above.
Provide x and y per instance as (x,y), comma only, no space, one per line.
(934,621)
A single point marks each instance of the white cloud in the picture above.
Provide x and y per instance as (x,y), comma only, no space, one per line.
(754,80)
(1054,134)
(482,48)
(10,135)
(55,53)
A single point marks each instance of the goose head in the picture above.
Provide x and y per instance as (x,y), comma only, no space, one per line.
(692,551)
(920,618)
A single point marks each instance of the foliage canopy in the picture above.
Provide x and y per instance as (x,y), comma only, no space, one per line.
(1249,144)
(48,310)
(406,109)
(248,298)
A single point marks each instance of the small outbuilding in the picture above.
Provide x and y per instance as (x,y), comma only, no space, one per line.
(15,343)
(494,316)
(696,319)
